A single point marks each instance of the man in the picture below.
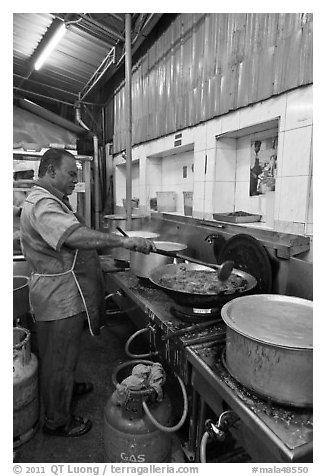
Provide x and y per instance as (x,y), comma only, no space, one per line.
(65,285)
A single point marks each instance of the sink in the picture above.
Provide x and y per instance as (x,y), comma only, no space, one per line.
(20,296)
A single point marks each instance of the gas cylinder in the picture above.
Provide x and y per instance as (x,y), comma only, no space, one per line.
(25,387)
(130,436)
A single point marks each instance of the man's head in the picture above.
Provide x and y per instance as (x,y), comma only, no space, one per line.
(58,167)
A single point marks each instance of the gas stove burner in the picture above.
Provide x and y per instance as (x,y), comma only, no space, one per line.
(119,263)
(146,282)
(193,314)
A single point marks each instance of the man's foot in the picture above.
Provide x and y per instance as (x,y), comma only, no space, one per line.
(81,388)
(77,426)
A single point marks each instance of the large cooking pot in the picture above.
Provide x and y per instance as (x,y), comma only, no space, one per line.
(20,266)
(123,254)
(269,346)
(20,296)
(143,265)
(207,300)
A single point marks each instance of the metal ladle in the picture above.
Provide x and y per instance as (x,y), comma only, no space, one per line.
(224,270)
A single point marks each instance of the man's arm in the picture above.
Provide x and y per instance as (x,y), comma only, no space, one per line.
(86,238)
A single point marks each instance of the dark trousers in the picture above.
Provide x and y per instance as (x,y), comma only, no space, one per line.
(59,345)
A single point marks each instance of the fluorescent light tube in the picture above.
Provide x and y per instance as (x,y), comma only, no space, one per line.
(50,46)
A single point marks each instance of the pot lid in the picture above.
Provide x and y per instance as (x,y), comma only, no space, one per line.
(274,319)
(249,255)
(170,246)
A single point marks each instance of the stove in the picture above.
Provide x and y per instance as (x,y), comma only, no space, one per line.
(146,282)
(281,434)
(193,314)
(272,430)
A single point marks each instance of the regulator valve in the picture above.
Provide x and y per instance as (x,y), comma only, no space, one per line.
(219,429)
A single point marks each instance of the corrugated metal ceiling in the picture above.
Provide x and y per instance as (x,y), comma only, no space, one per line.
(79,55)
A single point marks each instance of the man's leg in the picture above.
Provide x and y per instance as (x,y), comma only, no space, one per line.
(59,344)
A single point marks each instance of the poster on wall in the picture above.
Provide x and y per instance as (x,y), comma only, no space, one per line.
(263,163)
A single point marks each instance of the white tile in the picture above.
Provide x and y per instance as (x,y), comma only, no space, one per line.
(199,192)
(198,209)
(142,195)
(275,107)
(243,201)
(138,152)
(310,218)
(267,110)
(309,229)
(208,216)
(278,198)
(187,135)
(280,153)
(225,165)
(230,122)
(209,194)
(299,108)
(250,115)
(199,166)
(293,199)
(148,148)
(154,173)
(211,165)
(243,160)
(213,128)
(200,137)
(226,143)
(223,197)
(296,152)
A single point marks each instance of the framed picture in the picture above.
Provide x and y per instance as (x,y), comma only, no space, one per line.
(263,165)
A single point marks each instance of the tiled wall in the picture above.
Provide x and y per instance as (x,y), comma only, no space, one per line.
(221,168)
(295,164)
(120,182)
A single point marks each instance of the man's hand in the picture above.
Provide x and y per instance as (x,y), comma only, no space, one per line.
(139,244)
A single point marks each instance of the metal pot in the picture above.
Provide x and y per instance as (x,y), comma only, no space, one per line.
(269,346)
(185,298)
(20,296)
(122,254)
(142,265)
(20,266)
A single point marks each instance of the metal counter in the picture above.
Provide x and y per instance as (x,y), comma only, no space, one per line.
(284,434)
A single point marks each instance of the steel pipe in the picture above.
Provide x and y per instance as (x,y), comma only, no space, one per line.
(128,117)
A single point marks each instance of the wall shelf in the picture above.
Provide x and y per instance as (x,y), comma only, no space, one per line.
(284,244)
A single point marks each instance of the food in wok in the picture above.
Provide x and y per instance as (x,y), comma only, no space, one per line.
(200,281)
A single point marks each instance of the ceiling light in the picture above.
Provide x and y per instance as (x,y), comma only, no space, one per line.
(50,46)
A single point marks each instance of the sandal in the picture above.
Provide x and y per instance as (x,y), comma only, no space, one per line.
(82,388)
(77,426)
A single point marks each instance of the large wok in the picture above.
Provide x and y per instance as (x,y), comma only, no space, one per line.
(185,298)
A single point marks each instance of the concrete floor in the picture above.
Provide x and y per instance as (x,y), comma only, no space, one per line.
(99,356)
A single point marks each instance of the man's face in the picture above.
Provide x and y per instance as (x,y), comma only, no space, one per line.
(65,177)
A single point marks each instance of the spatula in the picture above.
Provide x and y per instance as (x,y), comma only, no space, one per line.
(224,270)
